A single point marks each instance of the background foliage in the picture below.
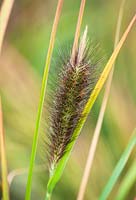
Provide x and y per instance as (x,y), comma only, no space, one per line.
(22,63)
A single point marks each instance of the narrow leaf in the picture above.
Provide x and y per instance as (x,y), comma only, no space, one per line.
(42,93)
(128,181)
(119,168)
(5,189)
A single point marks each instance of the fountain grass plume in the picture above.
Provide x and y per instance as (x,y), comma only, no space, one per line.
(76,82)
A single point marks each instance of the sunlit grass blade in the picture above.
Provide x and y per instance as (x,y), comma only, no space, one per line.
(5,188)
(4,17)
(41,101)
(95,138)
(119,167)
(107,69)
(57,172)
(128,181)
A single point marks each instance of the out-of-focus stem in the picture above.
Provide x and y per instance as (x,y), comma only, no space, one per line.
(4,17)
(78,27)
(48,196)
(5,188)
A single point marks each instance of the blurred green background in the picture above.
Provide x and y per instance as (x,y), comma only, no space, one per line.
(21,68)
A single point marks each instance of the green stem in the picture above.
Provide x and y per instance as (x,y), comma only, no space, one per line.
(48,196)
(128,181)
(3,160)
(41,101)
(119,167)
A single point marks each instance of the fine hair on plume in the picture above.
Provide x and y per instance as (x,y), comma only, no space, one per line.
(75,83)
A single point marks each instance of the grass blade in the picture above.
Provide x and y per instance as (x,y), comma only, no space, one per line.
(42,93)
(78,27)
(4,17)
(119,167)
(127,183)
(5,188)
(57,172)
(100,117)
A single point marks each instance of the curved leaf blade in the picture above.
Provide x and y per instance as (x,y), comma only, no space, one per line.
(119,168)
(127,183)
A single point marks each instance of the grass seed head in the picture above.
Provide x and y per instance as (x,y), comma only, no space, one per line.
(76,82)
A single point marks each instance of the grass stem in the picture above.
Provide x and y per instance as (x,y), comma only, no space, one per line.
(4,17)
(119,167)
(41,101)
(48,196)
(5,187)
(127,183)
(78,27)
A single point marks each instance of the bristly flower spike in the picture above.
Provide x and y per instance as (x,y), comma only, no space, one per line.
(76,82)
